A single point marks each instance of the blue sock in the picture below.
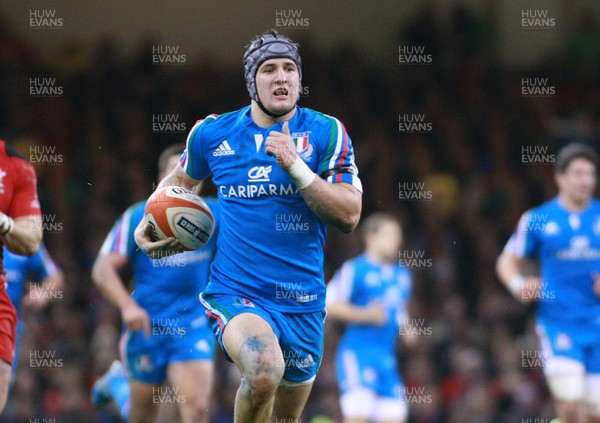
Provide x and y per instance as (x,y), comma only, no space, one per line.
(119,390)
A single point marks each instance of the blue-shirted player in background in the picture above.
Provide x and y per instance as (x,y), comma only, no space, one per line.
(45,279)
(563,235)
(283,173)
(370,294)
(167,336)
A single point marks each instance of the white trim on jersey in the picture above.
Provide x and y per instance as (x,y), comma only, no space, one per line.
(123,343)
(510,245)
(107,244)
(122,238)
(518,241)
(187,144)
(356,182)
(352,369)
(287,383)
(340,287)
(119,233)
(213,310)
(338,144)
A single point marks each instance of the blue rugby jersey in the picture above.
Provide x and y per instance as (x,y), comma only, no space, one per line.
(567,246)
(270,243)
(20,269)
(360,281)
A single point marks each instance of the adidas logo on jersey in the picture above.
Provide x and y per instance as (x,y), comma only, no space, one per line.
(224,149)
(307,362)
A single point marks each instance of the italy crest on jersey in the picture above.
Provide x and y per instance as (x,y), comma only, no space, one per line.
(303,146)
(301,140)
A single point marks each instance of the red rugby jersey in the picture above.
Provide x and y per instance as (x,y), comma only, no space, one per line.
(18,186)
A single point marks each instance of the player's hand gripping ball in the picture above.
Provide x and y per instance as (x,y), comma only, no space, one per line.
(177,212)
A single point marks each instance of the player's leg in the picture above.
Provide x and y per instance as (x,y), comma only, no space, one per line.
(112,385)
(567,386)
(145,365)
(249,339)
(253,346)
(8,325)
(16,355)
(564,370)
(5,373)
(190,370)
(144,406)
(357,397)
(565,377)
(593,381)
(290,400)
(194,380)
(301,341)
(392,402)
(593,397)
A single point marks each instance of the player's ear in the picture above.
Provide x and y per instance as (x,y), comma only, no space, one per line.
(558,176)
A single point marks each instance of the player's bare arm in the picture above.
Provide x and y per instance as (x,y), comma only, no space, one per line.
(40,295)
(372,314)
(22,235)
(336,204)
(596,279)
(107,280)
(508,269)
(143,232)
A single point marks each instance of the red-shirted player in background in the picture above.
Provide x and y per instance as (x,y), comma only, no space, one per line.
(21,232)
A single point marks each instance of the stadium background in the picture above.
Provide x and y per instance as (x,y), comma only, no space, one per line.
(495,97)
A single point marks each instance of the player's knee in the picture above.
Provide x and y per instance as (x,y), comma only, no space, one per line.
(265,383)
(139,413)
(593,409)
(198,406)
(263,372)
(142,416)
(262,383)
(570,411)
(5,373)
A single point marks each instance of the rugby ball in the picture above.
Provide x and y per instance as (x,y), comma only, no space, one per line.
(177,212)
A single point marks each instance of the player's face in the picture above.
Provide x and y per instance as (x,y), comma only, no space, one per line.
(386,240)
(578,181)
(278,85)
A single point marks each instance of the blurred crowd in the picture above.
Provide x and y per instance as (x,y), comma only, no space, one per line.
(471,359)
